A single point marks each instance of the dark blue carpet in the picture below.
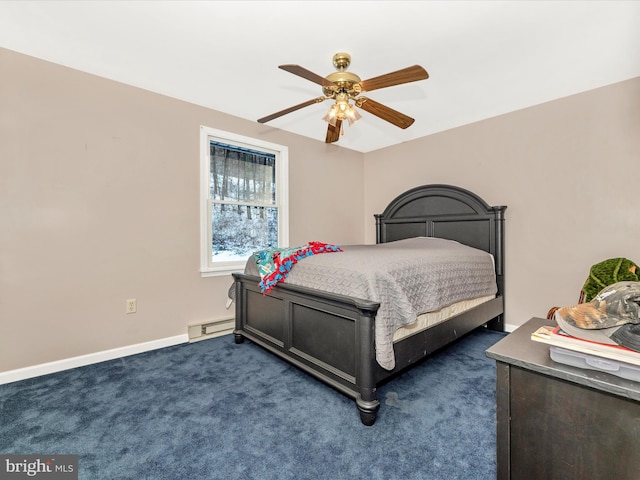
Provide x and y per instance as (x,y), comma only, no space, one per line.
(217,410)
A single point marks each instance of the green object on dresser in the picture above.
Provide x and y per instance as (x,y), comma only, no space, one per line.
(608,272)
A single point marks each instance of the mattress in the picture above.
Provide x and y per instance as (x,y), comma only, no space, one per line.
(429,319)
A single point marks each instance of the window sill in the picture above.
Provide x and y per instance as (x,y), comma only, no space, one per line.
(222,271)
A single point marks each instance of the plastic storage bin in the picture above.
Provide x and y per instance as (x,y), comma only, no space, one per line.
(592,362)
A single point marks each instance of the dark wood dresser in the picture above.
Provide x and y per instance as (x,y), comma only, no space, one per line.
(557,422)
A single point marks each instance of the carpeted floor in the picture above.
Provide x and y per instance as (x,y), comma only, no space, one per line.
(217,410)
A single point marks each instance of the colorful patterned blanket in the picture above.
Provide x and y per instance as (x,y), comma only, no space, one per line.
(274,264)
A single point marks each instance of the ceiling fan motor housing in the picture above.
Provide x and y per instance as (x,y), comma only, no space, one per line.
(342,80)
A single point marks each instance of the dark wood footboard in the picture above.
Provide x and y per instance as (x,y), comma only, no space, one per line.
(328,336)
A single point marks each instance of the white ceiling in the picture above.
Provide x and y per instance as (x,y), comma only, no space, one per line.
(484,58)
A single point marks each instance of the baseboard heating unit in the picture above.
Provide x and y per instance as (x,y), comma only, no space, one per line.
(202,331)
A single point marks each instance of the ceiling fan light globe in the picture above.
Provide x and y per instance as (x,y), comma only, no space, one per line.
(353,115)
(331,116)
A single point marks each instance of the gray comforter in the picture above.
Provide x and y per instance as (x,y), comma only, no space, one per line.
(407,277)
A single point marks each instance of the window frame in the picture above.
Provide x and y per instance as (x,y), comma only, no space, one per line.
(208,267)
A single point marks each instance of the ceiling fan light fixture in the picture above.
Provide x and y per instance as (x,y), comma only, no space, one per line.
(342,110)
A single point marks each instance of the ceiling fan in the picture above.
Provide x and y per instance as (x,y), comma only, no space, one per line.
(344,87)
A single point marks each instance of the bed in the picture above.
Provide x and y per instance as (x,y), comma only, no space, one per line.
(332,336)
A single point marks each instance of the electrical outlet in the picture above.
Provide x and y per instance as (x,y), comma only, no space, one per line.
(131,305)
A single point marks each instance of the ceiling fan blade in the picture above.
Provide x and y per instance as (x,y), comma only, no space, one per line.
(333,132)
(307,74)
(290,109)
(406,75)
(385,113)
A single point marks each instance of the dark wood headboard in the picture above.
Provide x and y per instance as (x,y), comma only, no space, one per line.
(446,211)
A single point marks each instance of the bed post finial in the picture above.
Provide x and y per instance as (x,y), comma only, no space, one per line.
(378,228)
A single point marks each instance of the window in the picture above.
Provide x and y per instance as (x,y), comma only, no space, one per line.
(244,199)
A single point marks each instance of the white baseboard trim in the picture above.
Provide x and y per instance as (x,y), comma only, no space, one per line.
(89,359)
